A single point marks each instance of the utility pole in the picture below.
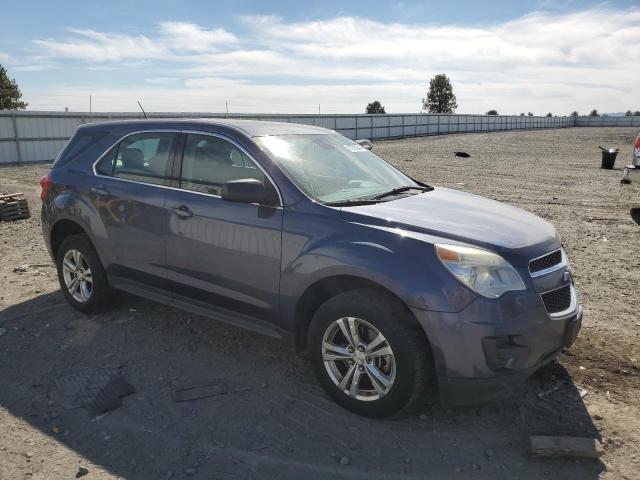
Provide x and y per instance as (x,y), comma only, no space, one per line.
(318,109)
(226,105)
(90,109)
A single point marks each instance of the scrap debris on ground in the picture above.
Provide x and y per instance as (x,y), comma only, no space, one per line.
(13,207)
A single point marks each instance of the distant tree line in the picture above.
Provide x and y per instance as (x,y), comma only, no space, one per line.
(441,99)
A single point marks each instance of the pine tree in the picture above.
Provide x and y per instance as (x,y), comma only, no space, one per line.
(440,97)
(375,107)
(10,93)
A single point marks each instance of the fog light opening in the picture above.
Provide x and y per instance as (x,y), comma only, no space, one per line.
(504,352)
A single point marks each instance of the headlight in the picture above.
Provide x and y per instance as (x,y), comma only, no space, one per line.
(482,271)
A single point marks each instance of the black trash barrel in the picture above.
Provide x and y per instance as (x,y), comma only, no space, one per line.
(609,158)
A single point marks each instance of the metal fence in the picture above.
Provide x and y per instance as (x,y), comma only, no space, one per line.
(607,122)
(38,136)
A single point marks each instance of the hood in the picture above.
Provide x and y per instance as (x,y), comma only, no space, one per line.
(464,217)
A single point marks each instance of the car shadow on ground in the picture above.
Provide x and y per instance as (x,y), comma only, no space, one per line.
(273,422)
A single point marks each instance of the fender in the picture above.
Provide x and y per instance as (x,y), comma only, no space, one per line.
(406,265)
(74,206)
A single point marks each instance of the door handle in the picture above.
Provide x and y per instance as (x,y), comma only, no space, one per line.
(183,211)
(100,191)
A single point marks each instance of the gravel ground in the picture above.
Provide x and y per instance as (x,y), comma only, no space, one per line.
(275,422)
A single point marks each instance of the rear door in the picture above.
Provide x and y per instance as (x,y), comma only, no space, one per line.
(223,256)
(129,191)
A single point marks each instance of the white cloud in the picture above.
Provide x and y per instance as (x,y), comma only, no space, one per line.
(191,37)
(34,67)
(4,57)
(161,80)
(540,62)
(93,46)
(174,40)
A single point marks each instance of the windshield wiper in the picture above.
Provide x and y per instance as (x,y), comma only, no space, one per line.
(352,203)
(397,190)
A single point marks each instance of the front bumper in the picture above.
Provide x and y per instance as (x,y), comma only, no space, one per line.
(481,353)
(474,391)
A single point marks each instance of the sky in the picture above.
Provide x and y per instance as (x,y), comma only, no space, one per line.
(289,56)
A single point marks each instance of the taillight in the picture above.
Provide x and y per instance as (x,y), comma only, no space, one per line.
(637,147)
(45,185)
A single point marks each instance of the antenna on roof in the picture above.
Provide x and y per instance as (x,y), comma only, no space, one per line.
(143,112)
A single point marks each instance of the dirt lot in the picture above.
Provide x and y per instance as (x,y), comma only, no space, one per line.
(275,422)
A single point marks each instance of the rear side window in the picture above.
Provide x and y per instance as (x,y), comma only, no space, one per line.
(142,157)
(209,162)
(105,165)
(79,143)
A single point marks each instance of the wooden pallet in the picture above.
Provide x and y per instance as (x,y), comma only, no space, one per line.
(13,207)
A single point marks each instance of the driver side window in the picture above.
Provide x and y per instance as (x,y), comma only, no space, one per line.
(208,162)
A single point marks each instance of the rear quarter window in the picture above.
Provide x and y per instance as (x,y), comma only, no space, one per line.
(82,141)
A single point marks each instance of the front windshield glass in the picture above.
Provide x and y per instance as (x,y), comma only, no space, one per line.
(331,168)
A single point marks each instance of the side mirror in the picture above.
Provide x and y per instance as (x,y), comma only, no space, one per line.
(249,190)
(365,143)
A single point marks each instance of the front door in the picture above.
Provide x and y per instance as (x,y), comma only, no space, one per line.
(223,255)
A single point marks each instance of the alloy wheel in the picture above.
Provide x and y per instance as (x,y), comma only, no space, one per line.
(77,276)
(358,359)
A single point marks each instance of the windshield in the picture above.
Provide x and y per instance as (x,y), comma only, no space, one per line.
(331,168)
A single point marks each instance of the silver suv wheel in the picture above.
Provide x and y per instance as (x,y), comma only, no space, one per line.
(77,276)
(358,359)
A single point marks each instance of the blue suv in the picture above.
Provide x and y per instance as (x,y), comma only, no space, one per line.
(392,286)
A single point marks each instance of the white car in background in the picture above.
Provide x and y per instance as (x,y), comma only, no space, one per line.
(632,172)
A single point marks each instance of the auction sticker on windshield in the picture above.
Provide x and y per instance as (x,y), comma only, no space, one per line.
(355,148)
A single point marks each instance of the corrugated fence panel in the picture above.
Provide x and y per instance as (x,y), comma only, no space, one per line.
(40,150)
(380,132)
(364,121)
(302,120)
(380,121)
(8,152)
(607,121)
(345,122)
(396,131)
(327,122)
(364,133)
(42,134)
(6,127)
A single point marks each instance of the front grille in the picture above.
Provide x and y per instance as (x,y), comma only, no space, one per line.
(557,300)
(547,261)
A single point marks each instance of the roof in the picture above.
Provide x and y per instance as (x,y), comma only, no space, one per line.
(252,128)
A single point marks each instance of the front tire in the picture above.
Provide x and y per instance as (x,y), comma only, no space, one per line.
(82,278)
(368,353)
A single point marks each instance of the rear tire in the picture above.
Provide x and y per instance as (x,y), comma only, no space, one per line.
(380,369)
(82,277)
